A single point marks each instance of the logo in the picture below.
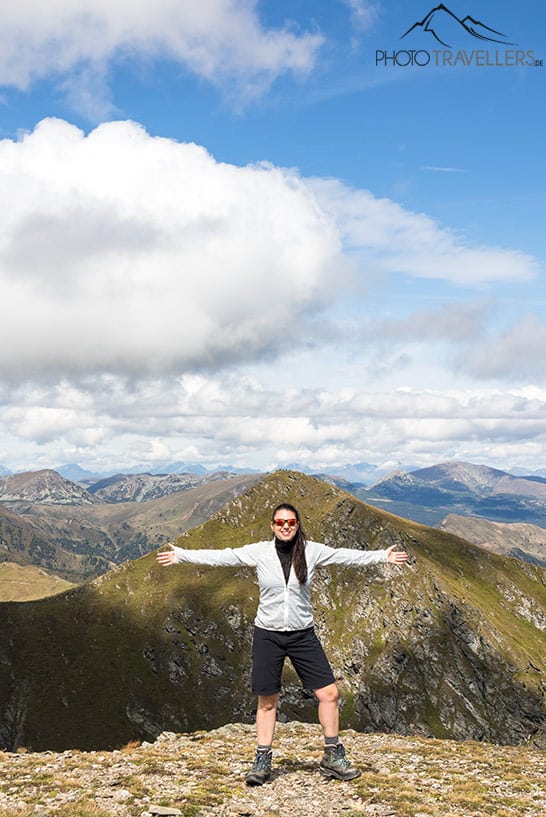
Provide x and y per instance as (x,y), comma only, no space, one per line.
(440,20)
(445,40)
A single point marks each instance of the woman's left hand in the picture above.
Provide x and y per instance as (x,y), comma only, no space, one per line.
(396,557)
(166,557)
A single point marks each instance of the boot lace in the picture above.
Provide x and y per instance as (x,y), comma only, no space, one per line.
(339,756)
(262,762)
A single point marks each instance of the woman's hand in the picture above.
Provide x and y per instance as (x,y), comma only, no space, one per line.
(166,557)
(396,557)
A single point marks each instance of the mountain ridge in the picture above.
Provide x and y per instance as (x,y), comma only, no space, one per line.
(452,646)
(43,487)
(79,531)
(517,540)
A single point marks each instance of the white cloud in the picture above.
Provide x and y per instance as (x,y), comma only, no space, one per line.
(140,256)
(515,353)
(461,322)
(387,238)
(126,253)
(217,39)
(364,13)
(434,169)
(240,420)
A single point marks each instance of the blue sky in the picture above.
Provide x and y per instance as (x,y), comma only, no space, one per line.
(232,234)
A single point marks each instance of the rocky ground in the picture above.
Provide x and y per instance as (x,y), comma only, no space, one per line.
(202,775)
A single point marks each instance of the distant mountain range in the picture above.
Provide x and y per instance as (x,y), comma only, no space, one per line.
(80,529)
(450,645)
(358,472)
(427,495)
(362,472)
(76,473)
(48,487)
(79,533)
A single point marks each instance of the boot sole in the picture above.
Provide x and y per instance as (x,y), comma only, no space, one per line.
(338,775)
(256,781)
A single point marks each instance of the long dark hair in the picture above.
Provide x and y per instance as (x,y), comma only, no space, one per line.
(299,562)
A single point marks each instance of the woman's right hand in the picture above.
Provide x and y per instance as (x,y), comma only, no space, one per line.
(166,557)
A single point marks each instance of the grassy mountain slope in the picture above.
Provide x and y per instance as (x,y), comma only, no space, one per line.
(18,583)
(518,540)
(451,645)
(27,541)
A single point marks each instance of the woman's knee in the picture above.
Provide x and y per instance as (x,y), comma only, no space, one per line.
(268,702)
(329,694)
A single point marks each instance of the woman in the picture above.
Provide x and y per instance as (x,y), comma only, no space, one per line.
(284,628)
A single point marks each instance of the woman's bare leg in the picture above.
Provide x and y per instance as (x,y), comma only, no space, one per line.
(266,716)
(328,709)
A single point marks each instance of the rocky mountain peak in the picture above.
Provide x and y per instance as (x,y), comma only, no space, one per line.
(45,487)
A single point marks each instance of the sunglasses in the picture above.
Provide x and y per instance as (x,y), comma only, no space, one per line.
(280,523)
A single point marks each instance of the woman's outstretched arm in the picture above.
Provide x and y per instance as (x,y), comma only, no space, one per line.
(214,557)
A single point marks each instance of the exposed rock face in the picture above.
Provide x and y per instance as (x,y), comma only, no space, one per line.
(144,487)
(451,645)
(44,487)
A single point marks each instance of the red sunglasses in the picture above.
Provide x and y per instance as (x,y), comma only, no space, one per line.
(280,523)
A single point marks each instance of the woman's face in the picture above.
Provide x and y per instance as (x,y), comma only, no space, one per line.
(285,525)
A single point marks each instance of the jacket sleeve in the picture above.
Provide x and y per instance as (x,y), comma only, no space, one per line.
(326,555)
(225,557)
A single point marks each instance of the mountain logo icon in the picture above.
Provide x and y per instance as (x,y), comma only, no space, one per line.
(445,26)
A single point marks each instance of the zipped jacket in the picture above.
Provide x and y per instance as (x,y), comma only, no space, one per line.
(283,605)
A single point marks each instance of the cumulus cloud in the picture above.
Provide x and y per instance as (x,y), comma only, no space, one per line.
(123,252)
(137,255)
(217,39)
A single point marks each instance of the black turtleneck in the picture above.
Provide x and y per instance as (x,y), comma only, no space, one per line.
(285,551)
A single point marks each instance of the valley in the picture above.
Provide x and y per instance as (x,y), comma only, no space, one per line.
(80,534)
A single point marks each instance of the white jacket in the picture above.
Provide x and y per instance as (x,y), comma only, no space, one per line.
(283,606)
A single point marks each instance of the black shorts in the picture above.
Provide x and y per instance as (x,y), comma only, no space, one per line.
(270,648)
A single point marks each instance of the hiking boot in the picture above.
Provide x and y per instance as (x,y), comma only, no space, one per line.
(334,763)
(261,769)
